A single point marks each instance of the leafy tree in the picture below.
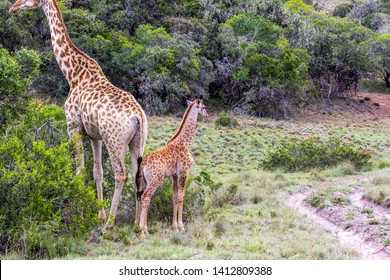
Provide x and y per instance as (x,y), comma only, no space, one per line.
(381,49)
(366,14)
(259,69)
(342,10)
(17,72)
(164,70)
(339,52)
(25,29)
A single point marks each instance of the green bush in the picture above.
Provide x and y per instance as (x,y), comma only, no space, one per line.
(342,10)
(44,204)
(259,70)
(17,72)
(338,49)
(384,7)
(217,194)
(225,120)
(201,194)
(161,206)
(299,155)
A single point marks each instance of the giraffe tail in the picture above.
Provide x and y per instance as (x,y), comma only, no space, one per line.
(138,179)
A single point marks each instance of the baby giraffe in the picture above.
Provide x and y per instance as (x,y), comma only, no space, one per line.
(173,160)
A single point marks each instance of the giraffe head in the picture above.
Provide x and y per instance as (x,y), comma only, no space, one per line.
(21,5)
(199,106)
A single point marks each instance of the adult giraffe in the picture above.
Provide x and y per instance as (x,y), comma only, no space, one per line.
(94,107)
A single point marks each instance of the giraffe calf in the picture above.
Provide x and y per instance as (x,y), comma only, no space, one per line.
(172,160)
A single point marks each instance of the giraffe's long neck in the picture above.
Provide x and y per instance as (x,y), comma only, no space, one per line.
(186,132)
(75,65)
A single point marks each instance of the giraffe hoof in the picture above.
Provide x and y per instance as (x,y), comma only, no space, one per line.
(181,229)
(144,232)
(107,227)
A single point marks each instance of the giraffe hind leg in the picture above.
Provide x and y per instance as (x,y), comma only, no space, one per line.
(135,150)
(151,187)
(117,155)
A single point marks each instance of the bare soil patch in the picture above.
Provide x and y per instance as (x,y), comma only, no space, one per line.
(361,106)
(361,224)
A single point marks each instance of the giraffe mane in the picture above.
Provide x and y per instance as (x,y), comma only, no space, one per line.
(182,123)
(75,48)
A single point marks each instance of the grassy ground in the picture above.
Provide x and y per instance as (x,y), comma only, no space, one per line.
(257,224)
(223,151)
(261,226)
(378,190)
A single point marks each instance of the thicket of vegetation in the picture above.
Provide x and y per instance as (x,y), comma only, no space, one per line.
(298,155)
(258,57)
(44,204)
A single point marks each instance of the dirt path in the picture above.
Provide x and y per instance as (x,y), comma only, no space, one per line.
(361,225)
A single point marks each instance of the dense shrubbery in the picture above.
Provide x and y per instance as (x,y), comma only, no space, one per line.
(298,155)
(381,49)
(202,193)
(225,120)
(17,72)
(161,206)
(259,57)
(339,49)
(258,68)
(44,204)
(217,194)
(342,10)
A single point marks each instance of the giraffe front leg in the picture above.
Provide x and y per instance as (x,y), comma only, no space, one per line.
(76,137)
(180,202)
(143,223)
(80,154)
(98,175)
(137,212)
(175,203)
(77,140)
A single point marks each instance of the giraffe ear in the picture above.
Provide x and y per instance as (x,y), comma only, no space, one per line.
(188,102)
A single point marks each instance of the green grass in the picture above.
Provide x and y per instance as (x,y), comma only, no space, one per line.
(263,227)
(267,229)
(378,189)
(223,151)
(330,197)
